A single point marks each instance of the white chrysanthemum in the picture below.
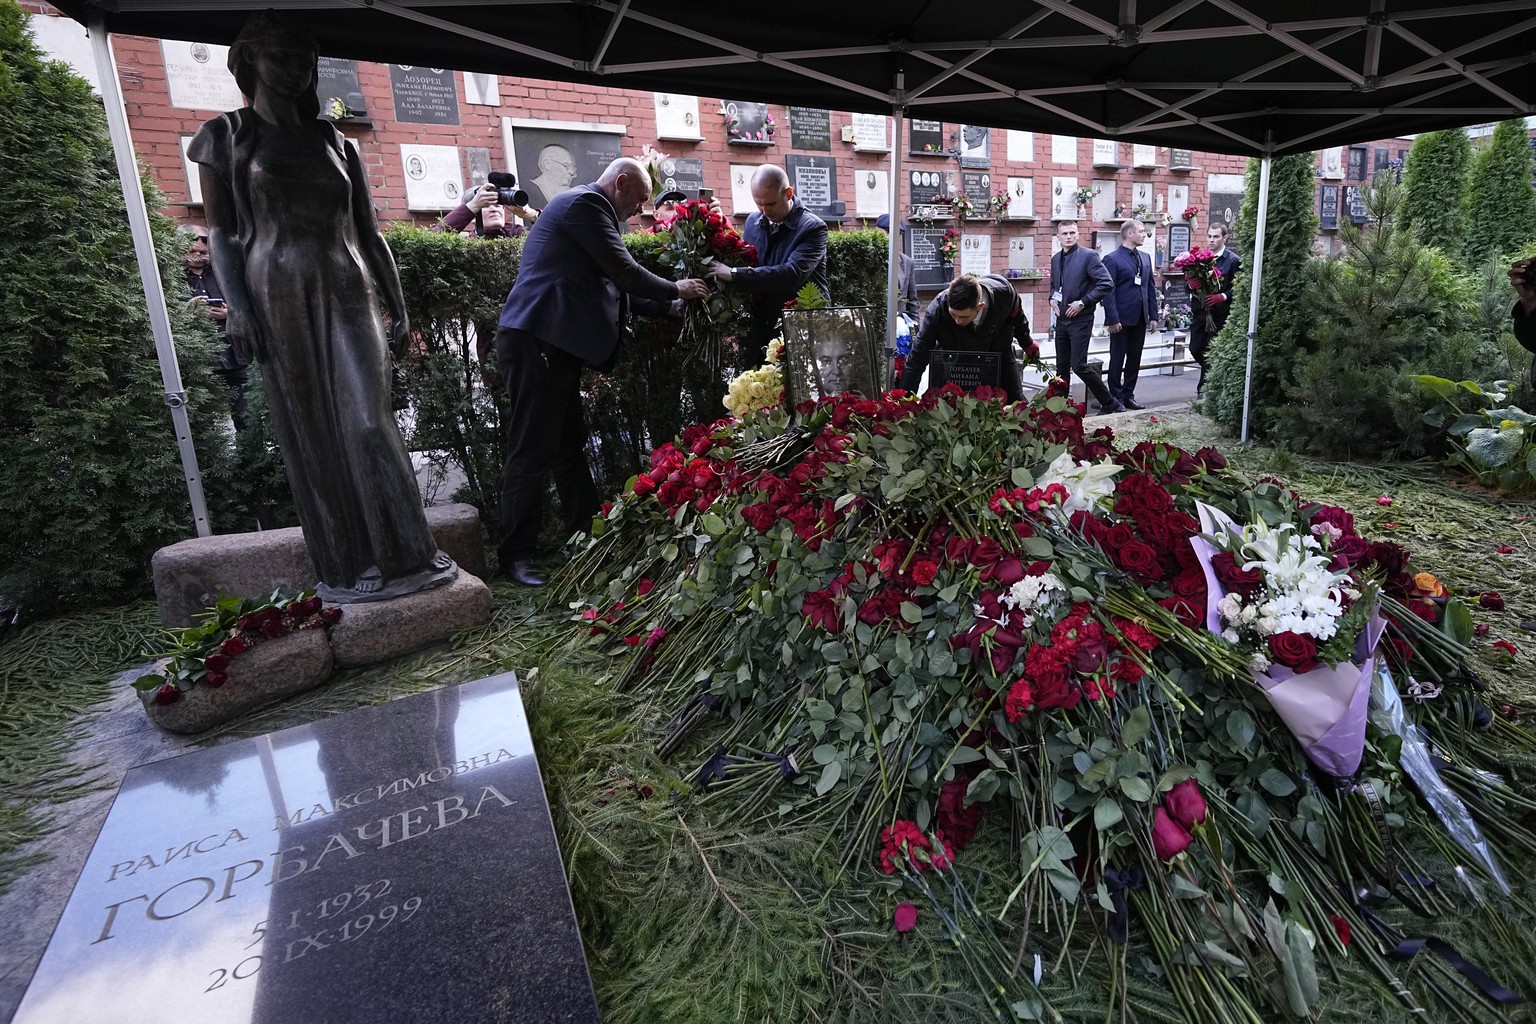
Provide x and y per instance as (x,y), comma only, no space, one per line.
(1086,482)
(1031,591)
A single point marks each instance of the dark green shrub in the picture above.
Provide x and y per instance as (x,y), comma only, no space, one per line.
(1435,177)
(1289,231)
(90,480)
(1389,307)
(1500,204)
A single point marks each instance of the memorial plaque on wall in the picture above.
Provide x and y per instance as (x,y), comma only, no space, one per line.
(1383,160)
(925,136)
(1354,202)
(1225,207)
(1178,240)
(871,193)
(434,180)
(336,83)
(975,146)
(1176,291)
(869,133)
(197,76)
(926,186)
(977,187)
(1181,158)
(1328,207)
(677,116)
(976,254)
(477,165)
(424,95)
(336,872)
(810,128)
(1357,155)
(1021,146)
(751,122)
(1021,197)
(815,182)
(685,173)
(923,246)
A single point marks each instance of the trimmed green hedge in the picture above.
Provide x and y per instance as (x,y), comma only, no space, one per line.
(454,290)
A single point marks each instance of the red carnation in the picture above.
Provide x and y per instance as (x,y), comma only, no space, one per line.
(1296,651)
(924,571)
(1340,928)
(1505,646)
(1020,699)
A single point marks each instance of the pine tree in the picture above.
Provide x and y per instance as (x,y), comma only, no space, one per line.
(1289,231)
(1389,306)
(90,481)
(1500,203)
(1435,176)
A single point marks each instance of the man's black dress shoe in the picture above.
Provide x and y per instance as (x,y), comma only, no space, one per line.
(1129,401)
(523,572)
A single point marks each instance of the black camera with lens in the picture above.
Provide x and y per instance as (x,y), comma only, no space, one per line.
(507,192)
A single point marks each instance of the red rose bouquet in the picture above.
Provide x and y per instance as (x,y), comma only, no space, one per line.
(691,243)
(1204,280)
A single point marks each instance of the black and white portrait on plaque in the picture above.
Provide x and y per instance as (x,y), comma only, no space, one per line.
(551,157)
(975,146)
(828,352)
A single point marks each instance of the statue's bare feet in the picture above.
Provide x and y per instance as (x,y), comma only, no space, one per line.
(441,561)
(370,582)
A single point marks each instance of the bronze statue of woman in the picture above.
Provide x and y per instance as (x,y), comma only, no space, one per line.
(297,248)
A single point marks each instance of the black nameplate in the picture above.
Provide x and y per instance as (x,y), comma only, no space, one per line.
(970,370)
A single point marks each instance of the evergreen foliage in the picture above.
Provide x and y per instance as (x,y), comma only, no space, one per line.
(1435,176)
(1500,204)
(90,480)
(1390,306)
(1289,230)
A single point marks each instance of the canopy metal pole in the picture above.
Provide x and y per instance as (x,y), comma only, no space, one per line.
(893,236)
(1258,281)
(149,266)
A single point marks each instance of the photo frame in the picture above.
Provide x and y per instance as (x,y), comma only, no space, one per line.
(829,351)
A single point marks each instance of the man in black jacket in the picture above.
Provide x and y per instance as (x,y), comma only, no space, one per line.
(1220,304)
(562,315)
(1078,283)
(974,315)
(1524,313)
(791,244)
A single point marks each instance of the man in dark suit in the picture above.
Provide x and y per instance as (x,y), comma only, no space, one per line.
(1078,283)
(1220,305)
(564,313)
(974,314)
(1128,310)
(791,244)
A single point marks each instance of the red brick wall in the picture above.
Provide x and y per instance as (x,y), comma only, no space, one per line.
(157,128)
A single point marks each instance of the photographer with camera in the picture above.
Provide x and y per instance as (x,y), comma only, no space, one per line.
(1522,274)
(488,206)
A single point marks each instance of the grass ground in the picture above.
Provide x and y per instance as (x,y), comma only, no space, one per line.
(694,915)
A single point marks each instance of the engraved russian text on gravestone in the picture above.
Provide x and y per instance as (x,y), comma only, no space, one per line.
(336,872)
(810,128)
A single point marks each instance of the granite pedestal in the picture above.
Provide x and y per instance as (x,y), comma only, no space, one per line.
(394,864)
(190,575)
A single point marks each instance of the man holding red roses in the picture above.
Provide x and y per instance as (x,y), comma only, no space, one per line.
(1219,304)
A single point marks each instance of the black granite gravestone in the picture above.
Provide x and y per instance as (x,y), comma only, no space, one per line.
(927,186)
(815,182)
(1354,202)
(1328,207)
(970,370)
(683,173)
(977,188)
(928,269)
(925,137)
(424,95)
(394,864)
(1178,239)
(1357,158)
(810,128)
(336,80)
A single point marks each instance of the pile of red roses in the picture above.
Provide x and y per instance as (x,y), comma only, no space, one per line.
(248,632)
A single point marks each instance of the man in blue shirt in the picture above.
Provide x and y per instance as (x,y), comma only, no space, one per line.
(573,287)
(1128,309)
(791,244)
